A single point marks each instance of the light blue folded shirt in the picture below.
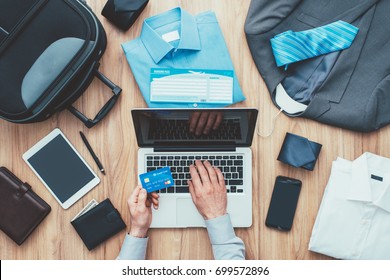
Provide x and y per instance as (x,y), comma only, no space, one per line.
(226,245)
(176,39)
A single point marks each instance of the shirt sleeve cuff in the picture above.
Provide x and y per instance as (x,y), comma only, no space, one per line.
(220,229)
(133,248)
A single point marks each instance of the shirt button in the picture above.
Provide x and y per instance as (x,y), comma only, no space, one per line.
(364,222)
(195,105)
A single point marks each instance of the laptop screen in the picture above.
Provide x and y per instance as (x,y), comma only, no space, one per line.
(194,127)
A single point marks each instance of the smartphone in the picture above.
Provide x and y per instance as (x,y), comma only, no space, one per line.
(283,203)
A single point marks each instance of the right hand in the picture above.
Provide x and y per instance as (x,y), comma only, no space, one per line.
(208,190)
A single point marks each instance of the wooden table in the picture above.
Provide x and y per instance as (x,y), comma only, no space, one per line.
(114,141)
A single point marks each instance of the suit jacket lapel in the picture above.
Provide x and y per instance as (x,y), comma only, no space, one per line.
(355,12)
(345,64)
(337,81)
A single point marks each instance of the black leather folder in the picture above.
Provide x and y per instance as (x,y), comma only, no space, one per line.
(21,209)
(98,224)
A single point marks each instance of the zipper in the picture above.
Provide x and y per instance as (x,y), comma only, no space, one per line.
(22,23)
(4,31)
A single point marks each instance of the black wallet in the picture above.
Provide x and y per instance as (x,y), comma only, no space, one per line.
(98,224)
(299,151)
(123,13)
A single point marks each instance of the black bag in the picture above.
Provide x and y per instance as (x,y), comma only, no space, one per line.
(49,54)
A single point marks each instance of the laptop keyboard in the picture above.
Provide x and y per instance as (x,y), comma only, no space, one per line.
(230,165)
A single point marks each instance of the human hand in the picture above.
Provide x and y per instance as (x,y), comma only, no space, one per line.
(204,122)
(208,190)
(140,211)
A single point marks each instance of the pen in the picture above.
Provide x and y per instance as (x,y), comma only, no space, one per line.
(96,159)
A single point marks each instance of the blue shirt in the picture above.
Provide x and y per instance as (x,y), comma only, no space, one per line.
(226,245)
(194,42)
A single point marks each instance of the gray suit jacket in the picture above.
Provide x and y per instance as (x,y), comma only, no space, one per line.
(356,92)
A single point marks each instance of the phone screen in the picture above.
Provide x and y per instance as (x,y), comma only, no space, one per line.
(283,203)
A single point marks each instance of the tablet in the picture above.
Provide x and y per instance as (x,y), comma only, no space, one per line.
(61,168)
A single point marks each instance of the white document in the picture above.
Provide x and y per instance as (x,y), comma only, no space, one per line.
(191,85)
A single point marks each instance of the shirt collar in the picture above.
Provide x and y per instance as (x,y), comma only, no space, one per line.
(156,46)
(360,188)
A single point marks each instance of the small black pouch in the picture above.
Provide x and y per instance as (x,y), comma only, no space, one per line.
(299,151)
(98,224)
(123,13)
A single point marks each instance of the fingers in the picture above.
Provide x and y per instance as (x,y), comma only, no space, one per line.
(204,175)
(153,198)
(133,199)
(193,121)
(142,198)
(210,122)
(148,202)
(211,172)
(202,172)
(201,123)
(221,179)
(195,177)
(218,120)
(155,195)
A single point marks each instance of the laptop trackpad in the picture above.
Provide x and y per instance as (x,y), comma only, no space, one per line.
(187,215)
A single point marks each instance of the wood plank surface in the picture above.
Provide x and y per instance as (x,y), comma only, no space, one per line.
(115,144)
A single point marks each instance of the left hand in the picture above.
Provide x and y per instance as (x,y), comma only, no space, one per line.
(140,211)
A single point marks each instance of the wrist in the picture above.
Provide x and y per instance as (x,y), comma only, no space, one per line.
(214,215)
(138,232)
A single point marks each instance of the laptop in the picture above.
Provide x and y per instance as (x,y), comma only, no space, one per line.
(165,138)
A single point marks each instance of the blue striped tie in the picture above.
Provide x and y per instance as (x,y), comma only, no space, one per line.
(289,46)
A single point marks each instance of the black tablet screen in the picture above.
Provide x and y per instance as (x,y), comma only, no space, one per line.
(61,168)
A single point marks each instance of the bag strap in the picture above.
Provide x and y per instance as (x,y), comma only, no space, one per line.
(116,90)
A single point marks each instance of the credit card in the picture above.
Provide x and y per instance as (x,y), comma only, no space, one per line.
(157,179)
